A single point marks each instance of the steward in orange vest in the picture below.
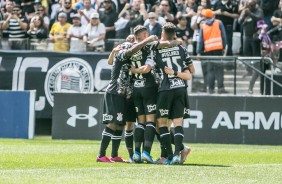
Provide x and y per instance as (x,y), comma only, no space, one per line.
(212,34)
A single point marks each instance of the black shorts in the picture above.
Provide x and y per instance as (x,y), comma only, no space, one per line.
(145,100)
(130,113)
(173,104)
(114,109)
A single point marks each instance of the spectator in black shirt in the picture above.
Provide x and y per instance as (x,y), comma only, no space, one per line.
(37,29)
(182,30)
(227,11)
(108,17)
(67,8)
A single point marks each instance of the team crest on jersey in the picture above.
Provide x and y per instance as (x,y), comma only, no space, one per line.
(119,116)
(186,111)
(176,83)
(151,108)
(163,112)
(69,75)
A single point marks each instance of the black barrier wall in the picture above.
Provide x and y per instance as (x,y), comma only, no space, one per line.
(49,72)
(214,119)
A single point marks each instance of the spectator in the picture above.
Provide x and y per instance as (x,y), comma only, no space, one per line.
(27,8)
(75,34)
(156,9)
(154,28)
(268,7)
(195,25)
(58,33)
(251,47)
(41,12)
(108,17)
(137,11)
(206,4)
(165,11)
(276,20)
(37,30)
(122,26)
(16,25)
(86,12)
(191,9)
(227,11)
(181,8)
(212,41)
(8,11)
(95,34)
(182,30)
(67,8)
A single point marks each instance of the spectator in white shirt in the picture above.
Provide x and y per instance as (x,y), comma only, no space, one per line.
(86,12)
(95,34)
(75,34)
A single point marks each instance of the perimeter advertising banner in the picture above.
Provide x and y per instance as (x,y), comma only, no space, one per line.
(214,119)
(49,72)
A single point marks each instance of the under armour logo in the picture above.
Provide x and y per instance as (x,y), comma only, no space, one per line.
(90,116)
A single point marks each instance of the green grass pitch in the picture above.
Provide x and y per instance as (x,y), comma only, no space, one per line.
(43,160)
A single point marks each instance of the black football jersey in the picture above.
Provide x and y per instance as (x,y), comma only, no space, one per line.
(176,58)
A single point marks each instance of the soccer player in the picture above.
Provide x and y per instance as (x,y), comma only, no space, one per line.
(130,109)
(115,102)
(176,67)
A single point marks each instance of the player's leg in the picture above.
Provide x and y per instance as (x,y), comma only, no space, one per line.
(116,139)
(130,121)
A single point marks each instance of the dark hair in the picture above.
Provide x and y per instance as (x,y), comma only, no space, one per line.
(17,6)
(138,29)
(169,30)
(41,21)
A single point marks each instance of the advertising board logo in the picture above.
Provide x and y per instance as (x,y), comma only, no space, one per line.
(74,116)
(71,75)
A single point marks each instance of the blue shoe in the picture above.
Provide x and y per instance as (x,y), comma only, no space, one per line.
(131,159)
(146,157)
(175,160)
(137,157)
(166,162)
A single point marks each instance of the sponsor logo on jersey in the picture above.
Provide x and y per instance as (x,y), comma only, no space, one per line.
(107,117)
(139,83)
(151,108)
(176,83)
(163,112)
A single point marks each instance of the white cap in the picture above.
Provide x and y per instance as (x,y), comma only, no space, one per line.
(94,15)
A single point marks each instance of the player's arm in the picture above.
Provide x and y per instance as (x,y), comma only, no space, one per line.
(185,75)
(143,69)
(112,54)
(140,45)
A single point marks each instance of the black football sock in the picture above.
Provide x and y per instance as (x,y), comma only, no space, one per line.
(178,138)
(116,139)
(163,151)
(166,141)
(172,136)
(106,138)
(139,136)
(150,132)
(128,137)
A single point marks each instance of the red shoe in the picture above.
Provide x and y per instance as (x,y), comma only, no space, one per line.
(116,159)
(184,153)
(103,159)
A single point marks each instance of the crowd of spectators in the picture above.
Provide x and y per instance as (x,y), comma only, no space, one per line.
(96,25)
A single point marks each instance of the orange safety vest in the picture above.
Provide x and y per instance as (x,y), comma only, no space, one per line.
(212,37)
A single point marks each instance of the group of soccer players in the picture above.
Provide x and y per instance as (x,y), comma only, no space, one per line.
(148,80)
